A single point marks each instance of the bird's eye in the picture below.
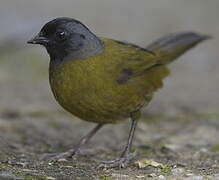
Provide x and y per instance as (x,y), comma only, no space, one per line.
(61,35)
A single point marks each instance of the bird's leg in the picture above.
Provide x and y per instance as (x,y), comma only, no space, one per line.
(126,155)
(84,140)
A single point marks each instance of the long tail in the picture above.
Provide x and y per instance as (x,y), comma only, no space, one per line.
(172,46)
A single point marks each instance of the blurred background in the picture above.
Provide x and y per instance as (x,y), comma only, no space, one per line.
(184,114)
(192,87)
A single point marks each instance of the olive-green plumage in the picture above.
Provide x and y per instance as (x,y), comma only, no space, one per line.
(103,80)
(90,88)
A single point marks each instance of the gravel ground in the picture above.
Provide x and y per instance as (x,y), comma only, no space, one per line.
(178,130)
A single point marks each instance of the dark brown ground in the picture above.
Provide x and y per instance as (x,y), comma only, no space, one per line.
(180,129)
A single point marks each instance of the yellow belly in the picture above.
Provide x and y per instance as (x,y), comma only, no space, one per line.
(93,94)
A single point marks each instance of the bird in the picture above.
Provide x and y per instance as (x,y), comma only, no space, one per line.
(106,81)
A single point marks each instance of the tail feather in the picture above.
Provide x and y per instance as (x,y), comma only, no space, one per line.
(174,45)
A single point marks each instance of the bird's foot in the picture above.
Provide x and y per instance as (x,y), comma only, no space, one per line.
(72,153)
(65,155)
(118,162)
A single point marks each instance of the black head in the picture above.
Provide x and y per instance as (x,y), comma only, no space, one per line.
(67,37)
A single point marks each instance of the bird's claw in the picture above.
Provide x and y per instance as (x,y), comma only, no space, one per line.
(65,155)
(72,153)
(118,162)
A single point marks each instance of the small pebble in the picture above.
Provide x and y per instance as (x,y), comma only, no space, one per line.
(140,176)
(23,164)
(161,177)
(50,178)
(189,174)
(119,176)
(194,178)
(177,171)
(152,175)
(50,163)
(62,160)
